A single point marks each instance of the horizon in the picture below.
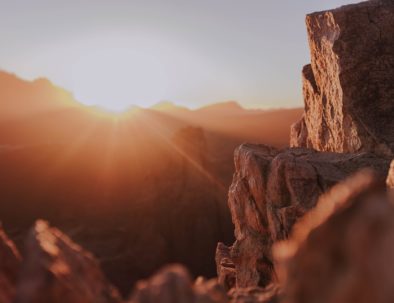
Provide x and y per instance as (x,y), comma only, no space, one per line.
(118,55)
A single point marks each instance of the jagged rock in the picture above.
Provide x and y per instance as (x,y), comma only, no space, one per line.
(173,284)
(349,85)
(390,177)
(225,266)
(270,294)
(57,270)
(271,189)
(343,251)
(9,266)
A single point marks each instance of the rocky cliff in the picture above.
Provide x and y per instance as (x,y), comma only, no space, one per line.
(271,190)
(348,87)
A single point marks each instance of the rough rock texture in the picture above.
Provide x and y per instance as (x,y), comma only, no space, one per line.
(344,251)
(390,177)
(58,271)
(173,284)
(269,294)
(225,266)
(271,189)
(9,266)
(349,85)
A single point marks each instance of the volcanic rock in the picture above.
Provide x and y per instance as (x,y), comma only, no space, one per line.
(9,266)
(349,86)
(343,251)
(271,190)
(57,270)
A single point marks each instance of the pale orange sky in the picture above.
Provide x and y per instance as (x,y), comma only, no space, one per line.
(117,53)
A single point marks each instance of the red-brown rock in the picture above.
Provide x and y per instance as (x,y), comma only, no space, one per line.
(343,251)
(349,85)
(173,284)
(271,190)
(9,266)
(225,266)
(56,270)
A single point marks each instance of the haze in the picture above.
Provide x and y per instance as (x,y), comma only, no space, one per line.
(118,53)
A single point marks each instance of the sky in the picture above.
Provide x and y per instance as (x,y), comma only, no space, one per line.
(116,53)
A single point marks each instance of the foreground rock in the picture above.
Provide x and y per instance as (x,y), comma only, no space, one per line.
(58,271)
(344,250)
(349,86)
(9,267)
(271,190)
(173,284)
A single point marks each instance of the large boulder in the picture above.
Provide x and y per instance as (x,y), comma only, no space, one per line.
(57,270)
(271,190)
(349,85)
(343,251)
(10,260)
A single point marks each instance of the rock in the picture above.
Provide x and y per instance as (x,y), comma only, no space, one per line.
(343,251)
(57,270)
(271,190)
(173,284)
(225,266)
(270,294)
(349,86)
(390,177)
(10,260)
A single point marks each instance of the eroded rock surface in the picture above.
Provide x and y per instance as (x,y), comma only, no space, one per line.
(173,284)
(9,266)
(225,266)
(349,85)
(57,270)
(271,190)
(343,251)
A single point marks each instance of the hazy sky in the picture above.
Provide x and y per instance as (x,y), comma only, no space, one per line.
(192,52)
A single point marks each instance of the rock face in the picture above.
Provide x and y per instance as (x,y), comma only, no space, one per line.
(57,270)
(173,284)
(225,266)
(9,267)
(271,189)
(349,85)
(344,253)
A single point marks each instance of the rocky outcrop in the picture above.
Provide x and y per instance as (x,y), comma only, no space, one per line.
(57,270)
(173,284)
(9,266)
(271,190)
(344,250)
(349,85)
(225,266)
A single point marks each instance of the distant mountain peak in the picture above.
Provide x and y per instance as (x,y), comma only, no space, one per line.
(224,106)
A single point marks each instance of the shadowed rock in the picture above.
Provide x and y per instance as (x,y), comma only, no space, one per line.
(57,270)
(349,85)
(271,190)
(225,266)
(9,267)
(343,251)
(270,294)
(173,284)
